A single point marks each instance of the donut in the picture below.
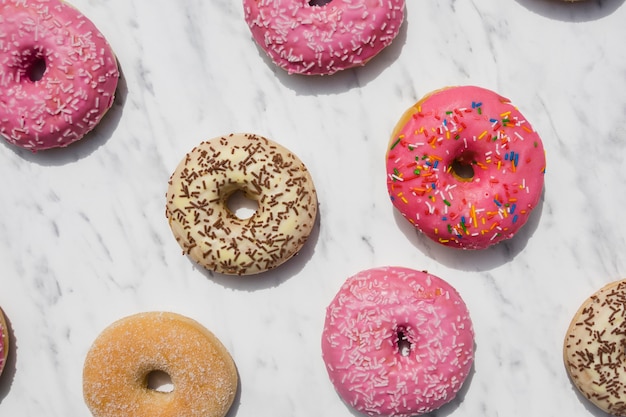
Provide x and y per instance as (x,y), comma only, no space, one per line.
(264,171)
(4,341)
(58,74)
(593,349)
(465,167)
(321,37)
(120,361)
(397,342)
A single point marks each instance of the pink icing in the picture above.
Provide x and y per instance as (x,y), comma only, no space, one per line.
(40,111)
(3,337)
(397,342)
(310,39)
(456,129)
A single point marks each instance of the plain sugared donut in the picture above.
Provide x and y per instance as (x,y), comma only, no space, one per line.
(321,37)
(264,171)
(397,342)
(118,365)
(4,341)
(594,348)
(58,74)
(465,167)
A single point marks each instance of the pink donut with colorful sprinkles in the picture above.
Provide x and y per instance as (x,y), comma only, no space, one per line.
(321,37)
(465,167)
(397,342)
(58,74)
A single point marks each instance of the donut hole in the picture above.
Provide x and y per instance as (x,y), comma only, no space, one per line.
(403,343)
(31,64)
(319,3)
(462,169)
(159,381)
(36,68)
(241,205)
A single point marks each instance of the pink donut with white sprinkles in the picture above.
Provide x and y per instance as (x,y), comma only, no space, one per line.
(465,167)
(397,342)
(321,37)
(58,74)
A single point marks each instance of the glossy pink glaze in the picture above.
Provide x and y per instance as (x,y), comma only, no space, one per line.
(363,355)
(79,82)
(478,128)
(321,40)
(4,341)
(2,352)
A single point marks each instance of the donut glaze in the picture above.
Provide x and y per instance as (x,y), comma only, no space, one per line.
(304,38)
(593,349)
(265,172)
(397,342)
(58,74)
(465,167)
(118,365)
(4,341)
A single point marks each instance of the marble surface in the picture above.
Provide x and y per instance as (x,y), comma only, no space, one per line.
(84,240)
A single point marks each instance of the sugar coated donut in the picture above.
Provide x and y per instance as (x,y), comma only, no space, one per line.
(266,172)
(58,74)
(397,342)
(321,37)
(4,341)
(121,359)
(594,345)
(465,167)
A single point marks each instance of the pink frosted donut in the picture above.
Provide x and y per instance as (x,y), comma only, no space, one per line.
(465,167)
(321,37)
(397,342)
(58,74)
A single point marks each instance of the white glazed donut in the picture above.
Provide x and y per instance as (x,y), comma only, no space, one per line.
(264,171)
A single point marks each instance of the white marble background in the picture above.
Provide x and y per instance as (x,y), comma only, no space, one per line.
(84,240)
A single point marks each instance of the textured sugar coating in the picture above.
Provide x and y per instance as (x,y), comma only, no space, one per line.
(594,348)
(79,82)
(265,172)
(457,129)
(118,363)
(376,313)
(311,38)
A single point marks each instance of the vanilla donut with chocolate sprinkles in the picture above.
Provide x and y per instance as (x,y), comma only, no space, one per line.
(265,172)
(119,365)
(58,74)
(594,345)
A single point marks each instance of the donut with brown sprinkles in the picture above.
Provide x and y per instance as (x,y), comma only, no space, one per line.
(264,171)
(594,348)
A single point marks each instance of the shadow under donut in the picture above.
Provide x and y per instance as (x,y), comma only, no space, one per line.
(589,406)
(95,138)
(473,260)
(578,11)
